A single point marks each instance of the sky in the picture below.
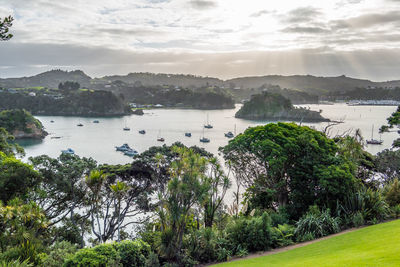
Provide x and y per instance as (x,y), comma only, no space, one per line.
(218,38)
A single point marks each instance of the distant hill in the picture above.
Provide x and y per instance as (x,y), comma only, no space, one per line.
(49,79)
(307,83)
(152,79)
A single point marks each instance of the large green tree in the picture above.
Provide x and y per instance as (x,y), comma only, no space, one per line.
(283,164)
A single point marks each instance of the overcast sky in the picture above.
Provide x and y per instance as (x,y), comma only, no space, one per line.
(220,38)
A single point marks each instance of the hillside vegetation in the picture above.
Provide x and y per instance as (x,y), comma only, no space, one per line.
(375,245)
(272,106)
(21,124)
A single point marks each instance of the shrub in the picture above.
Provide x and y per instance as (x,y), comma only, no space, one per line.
(395,211)
(283,235)
(125,253)
(15,263)
(392,193)
(58,253)
(252,234)
(200,245)
(316,224)
(368,202)
(133,253)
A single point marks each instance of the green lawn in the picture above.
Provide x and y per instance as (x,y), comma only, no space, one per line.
(377,245)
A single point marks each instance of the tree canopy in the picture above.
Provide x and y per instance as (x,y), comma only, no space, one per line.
(286,165)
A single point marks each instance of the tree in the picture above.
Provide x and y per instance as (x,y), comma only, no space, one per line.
(219,184)
(17,179)
(7,146)
(23,228)
(118,196)
(388,164)
(283,164)
(186,189)
(62,190)
(5,25)
(69,86)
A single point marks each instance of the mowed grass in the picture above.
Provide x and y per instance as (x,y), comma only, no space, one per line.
(377,245)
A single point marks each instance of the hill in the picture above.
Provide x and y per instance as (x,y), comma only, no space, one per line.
(375,245)
(49,79)
(312,85)
(272,106)
(21,124)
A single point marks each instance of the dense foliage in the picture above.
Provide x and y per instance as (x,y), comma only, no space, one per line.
(19,120)
(84,103)
(271,106)
(284,164)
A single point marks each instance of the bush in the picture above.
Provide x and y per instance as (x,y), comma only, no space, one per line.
(201,244)
(15,263)
(283,235)
(316,224)
(392,193)
(58,253)
(125,253)
(367,202)
(395,211)
(252,234)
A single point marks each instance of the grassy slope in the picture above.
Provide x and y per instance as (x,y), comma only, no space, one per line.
(377,245)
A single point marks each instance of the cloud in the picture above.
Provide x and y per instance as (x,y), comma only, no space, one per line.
(302,14)
(202,4)
(368,20)
(260,13)
(305,29)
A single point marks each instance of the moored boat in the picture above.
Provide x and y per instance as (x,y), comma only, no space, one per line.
(68,151)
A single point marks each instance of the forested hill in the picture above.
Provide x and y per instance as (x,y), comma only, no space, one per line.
(306,83)
(154,79)
(49,79)
(21,124)
(271,106)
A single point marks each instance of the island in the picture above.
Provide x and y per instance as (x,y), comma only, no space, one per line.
(272,106)
(21,124)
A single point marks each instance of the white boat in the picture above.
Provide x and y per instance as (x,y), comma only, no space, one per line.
(131,152)
(68,151)
(123,148)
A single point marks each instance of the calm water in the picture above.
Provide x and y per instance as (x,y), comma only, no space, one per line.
(99,140)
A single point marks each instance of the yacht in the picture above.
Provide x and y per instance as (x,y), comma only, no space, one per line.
(204,139)
(124,147)
(68,151)
(373,141)
(229,135)
(131,152)
(79,125)
(188,134)
(208,125)
(96,121)
(159,138)
(142,132)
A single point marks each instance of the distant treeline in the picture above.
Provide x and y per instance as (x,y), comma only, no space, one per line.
(170,96)
(368,94)
(82,103)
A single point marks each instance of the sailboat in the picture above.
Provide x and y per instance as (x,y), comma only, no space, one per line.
(79,124)
(126,128)
(159,138)
(373,141)
(204,139)
(208,125)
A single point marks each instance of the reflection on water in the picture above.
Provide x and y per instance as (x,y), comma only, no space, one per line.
(27,142)
(98,140)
